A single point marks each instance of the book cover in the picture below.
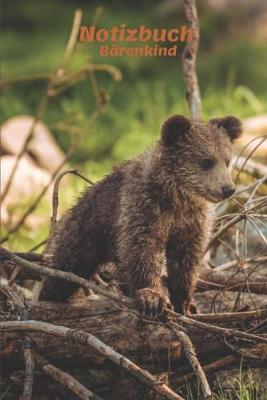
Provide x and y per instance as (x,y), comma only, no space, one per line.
(133,200)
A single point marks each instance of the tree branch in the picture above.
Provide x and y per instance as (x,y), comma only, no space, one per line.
(189,61)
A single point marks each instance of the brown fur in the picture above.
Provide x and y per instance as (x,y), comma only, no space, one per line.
(151,211)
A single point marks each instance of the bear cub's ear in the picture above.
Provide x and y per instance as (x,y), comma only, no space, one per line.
(173,128)
(231,124)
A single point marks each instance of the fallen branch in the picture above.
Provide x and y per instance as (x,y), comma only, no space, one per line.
(82,337)
(65,379)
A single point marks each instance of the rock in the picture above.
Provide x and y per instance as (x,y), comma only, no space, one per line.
(42,147)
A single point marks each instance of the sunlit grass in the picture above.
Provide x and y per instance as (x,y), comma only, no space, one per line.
(247,385)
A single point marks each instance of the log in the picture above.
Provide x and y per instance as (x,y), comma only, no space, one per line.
(110,317)
(145,343)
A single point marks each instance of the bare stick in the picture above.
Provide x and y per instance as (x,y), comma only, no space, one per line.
(85,338)
(189,61)
(29,368)
(192,358)
(65,379)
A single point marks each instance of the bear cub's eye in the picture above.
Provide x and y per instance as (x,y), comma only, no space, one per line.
(227,162)
(207,164)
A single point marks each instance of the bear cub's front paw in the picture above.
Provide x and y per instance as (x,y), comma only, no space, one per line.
(150,302)
(186,308)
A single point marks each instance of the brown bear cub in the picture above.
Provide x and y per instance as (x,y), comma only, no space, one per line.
(153,211)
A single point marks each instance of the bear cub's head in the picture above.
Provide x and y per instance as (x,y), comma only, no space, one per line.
(197,155)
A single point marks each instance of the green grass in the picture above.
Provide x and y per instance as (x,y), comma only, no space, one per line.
(246,386)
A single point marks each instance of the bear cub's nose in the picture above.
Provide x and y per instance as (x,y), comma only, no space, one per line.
(228,191)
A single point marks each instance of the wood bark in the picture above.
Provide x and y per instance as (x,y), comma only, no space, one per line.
(149,344)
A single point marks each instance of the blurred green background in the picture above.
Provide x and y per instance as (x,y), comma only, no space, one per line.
(231,68)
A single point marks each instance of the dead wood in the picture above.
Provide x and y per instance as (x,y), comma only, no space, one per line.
(117,327)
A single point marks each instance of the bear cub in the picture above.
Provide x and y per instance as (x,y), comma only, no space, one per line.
(151,212)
